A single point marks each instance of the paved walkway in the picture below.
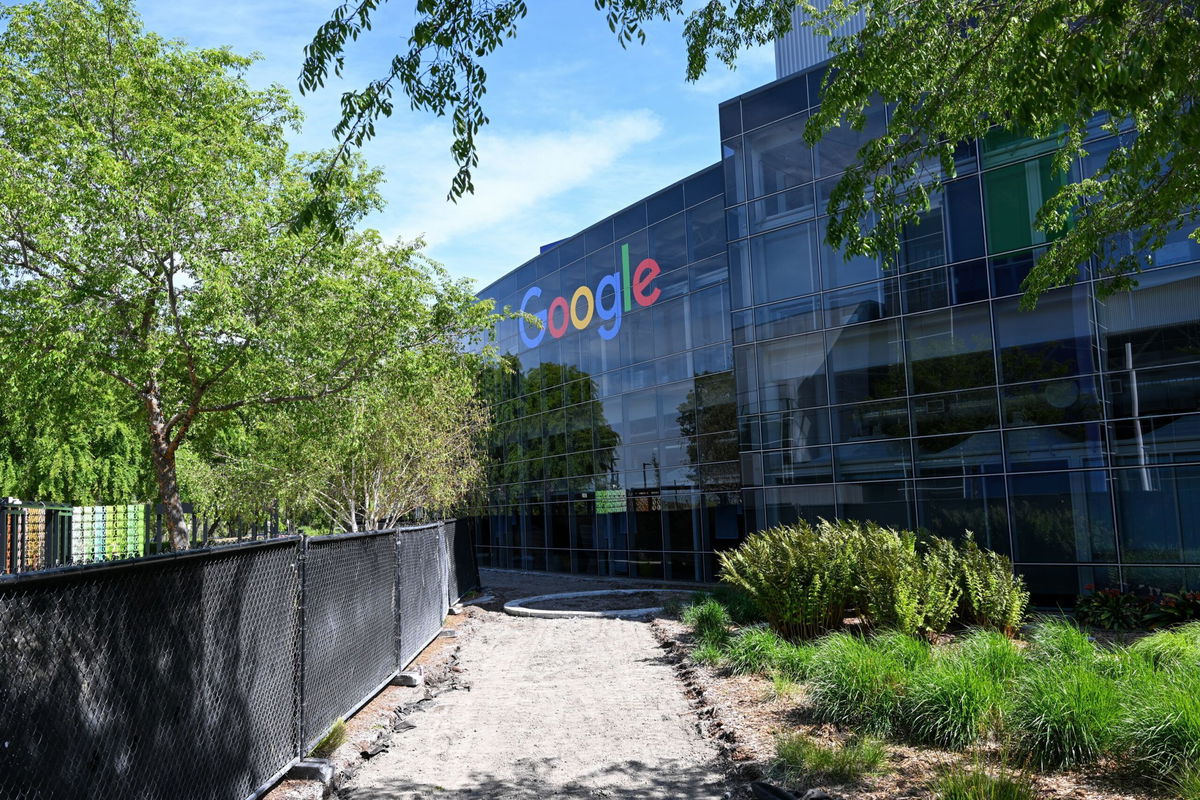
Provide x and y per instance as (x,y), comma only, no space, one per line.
(573,708)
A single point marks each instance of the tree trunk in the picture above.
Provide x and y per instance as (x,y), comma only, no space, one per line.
(163,456)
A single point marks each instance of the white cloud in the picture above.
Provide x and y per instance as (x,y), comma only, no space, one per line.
(531,188)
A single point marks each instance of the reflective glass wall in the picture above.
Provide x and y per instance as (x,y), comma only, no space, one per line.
(615,447)
(918,393)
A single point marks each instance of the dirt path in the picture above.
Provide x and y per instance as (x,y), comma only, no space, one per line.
(572,708)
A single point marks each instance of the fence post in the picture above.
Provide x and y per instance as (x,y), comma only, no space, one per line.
(396,594)
(301,566)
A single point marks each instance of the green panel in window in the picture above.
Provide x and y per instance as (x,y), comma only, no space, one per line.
(1004,147)
(1012,197)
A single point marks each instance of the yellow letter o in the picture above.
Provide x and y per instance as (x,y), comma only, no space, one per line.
(582,322)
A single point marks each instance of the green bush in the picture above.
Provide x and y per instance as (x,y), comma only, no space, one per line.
(741,606)
(978,784)
(800,576)
(1173,649)
(794,661)
(853,683)
(709,621)
(1063,714)
(952,702)
(708,654)
(890,588)
(993,597)
(992,653)
(799,757)
(1060,641)
(1159,728)
(753,650)
(910,651)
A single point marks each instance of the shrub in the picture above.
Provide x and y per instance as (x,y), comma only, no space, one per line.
(908,650)
(1175,649)
(1159,728)
(801,757)
(1059,640)
(951,703)
(709,622)
(992,653)
(753,650)
(800,577)
(1063,714)
(741,606)
(993,597)
(940,580)
(708,654)
(853,683)
(890,591)
(1112,609)
(978,784)
(794,661)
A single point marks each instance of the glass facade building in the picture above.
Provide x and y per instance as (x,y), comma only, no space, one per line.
(709,366)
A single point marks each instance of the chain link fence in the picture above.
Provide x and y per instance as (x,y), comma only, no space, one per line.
(207,674)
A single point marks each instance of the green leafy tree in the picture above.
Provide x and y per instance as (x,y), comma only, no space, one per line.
(950,70)
(145,199)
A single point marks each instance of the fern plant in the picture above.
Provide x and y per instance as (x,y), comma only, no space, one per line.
(993,597)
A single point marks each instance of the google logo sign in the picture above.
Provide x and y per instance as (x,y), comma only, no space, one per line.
(585,304)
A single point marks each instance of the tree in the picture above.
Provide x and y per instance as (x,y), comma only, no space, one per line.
(407,439)
(950,70)
(145,199)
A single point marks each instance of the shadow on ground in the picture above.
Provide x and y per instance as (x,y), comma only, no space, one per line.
(533,779)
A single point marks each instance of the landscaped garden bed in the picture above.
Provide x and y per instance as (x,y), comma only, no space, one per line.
(896,668)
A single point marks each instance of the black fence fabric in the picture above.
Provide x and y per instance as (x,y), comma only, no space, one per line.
(422,575)
(206,674)
(349,625)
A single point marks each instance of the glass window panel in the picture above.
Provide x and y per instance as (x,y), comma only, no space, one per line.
(950,349)
(950,507)
(598,235)
(667,244)
(737,222)
(775,101)
(662,205)
(1154,391)
(865,303)
(730,114)
(1057,447)
(1013,195)
(1167,579)
(714,358)
(675,283)
(672,325)
(699,188)
(1061,517)
(958,454)
(799,428)
(739,274)
(1058,587)
(886,420)
(710,271)
(745,370)
(867,361)
(792,373)
(788,506)
(784,263)
(630,220)
(743,326)
(1008,271)
(777,157)
(787,318)
(1155,440)
(783,208)
(953,412)
(1158,513)
(1051,402)
(837,271)
(969,282)
(925,291)
(1155,324)
(1053,340)
(797,465)
(733,161)
(709,315)
(886,502)
(706,229)
(839,148)
(641,416)
(1000,146)
(888,458)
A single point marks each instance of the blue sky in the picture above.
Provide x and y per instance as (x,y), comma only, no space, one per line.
(579,127)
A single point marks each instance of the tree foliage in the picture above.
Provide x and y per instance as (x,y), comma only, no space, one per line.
(950,71)
(146,194)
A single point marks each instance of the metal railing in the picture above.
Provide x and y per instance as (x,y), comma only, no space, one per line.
(209,673)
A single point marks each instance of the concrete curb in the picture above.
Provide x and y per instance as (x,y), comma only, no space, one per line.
(517,607)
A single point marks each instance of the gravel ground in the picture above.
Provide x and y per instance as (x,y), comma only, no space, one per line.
(556,708)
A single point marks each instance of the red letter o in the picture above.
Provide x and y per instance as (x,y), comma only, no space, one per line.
(556,330)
